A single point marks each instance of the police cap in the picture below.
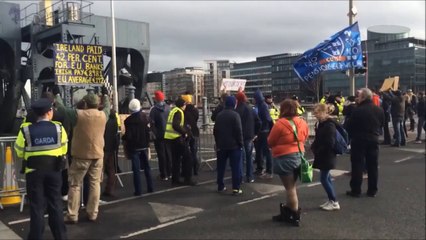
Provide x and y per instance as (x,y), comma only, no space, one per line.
(41,106)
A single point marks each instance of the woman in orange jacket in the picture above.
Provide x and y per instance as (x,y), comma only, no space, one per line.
(286,157)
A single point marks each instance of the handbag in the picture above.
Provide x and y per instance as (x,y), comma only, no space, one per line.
(306,169)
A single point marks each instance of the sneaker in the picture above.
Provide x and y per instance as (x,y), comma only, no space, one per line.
(325,204)
(331,206)
(237,192)
(65,198)
(68,220)
(267,176)
(418,141)
(222,190)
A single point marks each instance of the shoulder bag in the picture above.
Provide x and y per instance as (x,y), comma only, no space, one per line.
(306,170)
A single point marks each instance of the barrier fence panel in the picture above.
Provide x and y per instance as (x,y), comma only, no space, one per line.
(12,184)
(206,151)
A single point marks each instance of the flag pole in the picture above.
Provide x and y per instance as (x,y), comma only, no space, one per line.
(114,59)
(351,70)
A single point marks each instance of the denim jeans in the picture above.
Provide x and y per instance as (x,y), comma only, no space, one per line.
(328,185)
(140,161)
(234,156)
(247,157)
(265,151)
(398,129)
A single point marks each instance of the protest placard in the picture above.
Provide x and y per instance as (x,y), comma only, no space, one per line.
(78,64)
(230,84)
(390,83)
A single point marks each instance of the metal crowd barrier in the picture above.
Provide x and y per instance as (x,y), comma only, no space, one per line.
(12,186)
(206,146)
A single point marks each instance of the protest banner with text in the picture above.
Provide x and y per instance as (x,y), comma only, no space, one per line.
(78,64)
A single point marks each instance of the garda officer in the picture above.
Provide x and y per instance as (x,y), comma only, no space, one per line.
(274,112)
(325,97)
(177,147)
(42,145)
(300,109)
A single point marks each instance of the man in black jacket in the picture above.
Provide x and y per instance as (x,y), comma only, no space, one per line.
(250,125)
(191,120)
(158,117)
(110,149)
(176,136)
(136,141)
(364,127)
(228,136)
(421,109)
(398,113)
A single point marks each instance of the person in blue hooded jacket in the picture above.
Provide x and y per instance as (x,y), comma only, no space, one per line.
(262,144)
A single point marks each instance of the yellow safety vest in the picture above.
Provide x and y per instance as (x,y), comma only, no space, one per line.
(274,113)
(300,110)
(118,120)
(24,149)
(170,131)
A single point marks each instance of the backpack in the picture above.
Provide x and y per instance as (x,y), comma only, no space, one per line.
(342,140)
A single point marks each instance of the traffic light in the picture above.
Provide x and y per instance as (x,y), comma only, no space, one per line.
(364,67)
(364,59)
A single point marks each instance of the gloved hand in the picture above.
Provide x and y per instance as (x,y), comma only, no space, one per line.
(104,90)
(55,90)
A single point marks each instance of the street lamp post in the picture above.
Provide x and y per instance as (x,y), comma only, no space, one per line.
(114,59)
(351,16)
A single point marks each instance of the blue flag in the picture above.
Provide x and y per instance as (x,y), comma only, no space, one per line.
(341,51)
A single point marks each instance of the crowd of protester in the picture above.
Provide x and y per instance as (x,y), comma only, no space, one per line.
(277,134)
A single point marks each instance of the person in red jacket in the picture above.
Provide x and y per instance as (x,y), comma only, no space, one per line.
(286,157)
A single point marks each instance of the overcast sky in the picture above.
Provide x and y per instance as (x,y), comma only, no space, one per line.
(184,33)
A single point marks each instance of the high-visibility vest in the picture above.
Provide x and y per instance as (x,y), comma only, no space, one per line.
(300,110)
(170,133)
(274,113)
(323,100)
(41,139)
(118,120)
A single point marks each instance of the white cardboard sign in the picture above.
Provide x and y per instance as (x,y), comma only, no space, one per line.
(230,84)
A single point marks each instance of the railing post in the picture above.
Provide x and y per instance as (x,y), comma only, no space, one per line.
(205,113)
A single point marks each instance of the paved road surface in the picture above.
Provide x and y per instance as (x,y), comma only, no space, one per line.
(398,211)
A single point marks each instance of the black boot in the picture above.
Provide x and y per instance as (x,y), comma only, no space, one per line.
(280,217)
(294,218)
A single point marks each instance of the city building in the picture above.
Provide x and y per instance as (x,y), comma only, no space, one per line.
(257,73)
(215,71)
(181,80)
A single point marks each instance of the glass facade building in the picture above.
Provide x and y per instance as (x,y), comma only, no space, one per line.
(258,76)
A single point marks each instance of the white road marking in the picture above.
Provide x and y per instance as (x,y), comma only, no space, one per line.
(158,227)
(313,184)
(265,189)
(404,159)
(168,212)
(257,199)
(412,150)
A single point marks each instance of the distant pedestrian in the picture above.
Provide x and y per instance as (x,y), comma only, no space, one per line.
(110,151)
(263,148)
(220,106)
(397,112)
(386,106)
(364,127)
(191,122)
(158,117)
(324,154)
(421,109)
(136,140)
(287,158)
(176,136)
(228,136)
(250,125)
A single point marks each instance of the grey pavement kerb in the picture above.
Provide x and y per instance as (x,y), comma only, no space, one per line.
(7,233)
